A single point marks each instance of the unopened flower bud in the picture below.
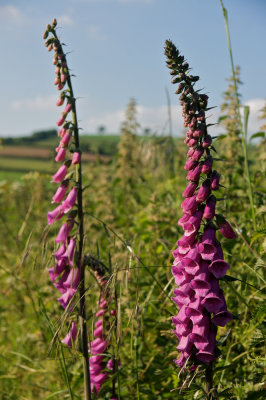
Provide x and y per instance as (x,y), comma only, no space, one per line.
(180,88)
(76,158)
(68,108)
(207,141)
(63,78)
(57,80)
(61,119)
(55,59)
(60,100)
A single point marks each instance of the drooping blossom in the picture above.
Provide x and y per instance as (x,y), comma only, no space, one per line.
(99,363)
(64,275)
(198,259)
(76,158)
(71,335)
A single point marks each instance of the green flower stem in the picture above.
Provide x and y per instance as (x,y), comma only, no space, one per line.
(80,263)
(243,130)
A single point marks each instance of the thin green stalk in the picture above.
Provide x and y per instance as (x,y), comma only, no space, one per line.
(80,263)
(209,380)
(61,360)
(246,112)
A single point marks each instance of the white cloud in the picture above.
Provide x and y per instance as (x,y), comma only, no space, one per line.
(10,14)
(154,118)
(38,103)
(254,122)
(95,32)
(65,20)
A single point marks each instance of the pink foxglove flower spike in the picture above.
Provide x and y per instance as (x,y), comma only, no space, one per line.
(199,262)
(67,275)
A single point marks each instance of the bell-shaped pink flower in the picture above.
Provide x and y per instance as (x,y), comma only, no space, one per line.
(61,120)
(189,205)
(68,254)
(190,189)
(197,133)
(226,230)
(207,247)
(76,158)
(60,174)
(66,298)
(186,243)
(55,215)
(201,284)
(209,210)
(197,154)
(60,155)
(215,178)
(212,302)
(193,224)
(73,279)
(70,201)
(204,191)
(207,141)
(64,231)
(207,165)
(183,220)
(60,193)
(207,355)
(71,336)
(60,101)
(66,138)
(68,108)
(195,310)
(62,132)
(194,174)
(190,164)
(185,344)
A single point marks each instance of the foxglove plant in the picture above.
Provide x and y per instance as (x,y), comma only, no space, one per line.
(198,259)
(67,274)
(100,344)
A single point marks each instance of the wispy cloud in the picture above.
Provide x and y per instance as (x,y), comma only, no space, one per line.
(11,14)
(38,103)
(65,20)
(95,32)
(254,122)
(154,118)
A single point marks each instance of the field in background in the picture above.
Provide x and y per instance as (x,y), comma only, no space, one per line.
(127,202)
(21,155)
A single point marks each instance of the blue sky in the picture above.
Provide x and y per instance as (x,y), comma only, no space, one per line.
(116,52)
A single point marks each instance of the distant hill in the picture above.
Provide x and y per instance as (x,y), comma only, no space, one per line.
(48,139)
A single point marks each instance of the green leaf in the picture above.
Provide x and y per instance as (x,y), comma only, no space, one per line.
(261,394)
(257,134)
(220,119)
(220,137)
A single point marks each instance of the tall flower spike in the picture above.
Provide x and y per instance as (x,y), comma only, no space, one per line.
(199,262)
(67,275)
(99,363)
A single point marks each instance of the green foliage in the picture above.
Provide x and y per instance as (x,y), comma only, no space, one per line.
(135,239)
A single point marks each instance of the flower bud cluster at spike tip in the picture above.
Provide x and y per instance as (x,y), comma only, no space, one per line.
(98,361)
(198,259)
(64,275)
